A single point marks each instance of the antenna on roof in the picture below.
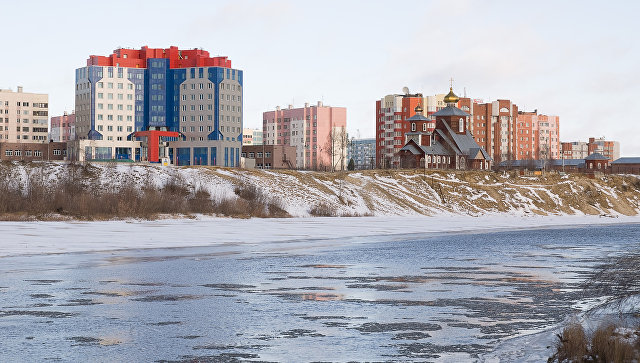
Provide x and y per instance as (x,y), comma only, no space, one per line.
(465,92)
(405,90)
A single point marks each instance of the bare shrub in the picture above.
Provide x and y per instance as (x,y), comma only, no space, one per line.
(276,210)
(322,210)
(176,185)
(607,345)
(572,344)
(78,193)
(253,201)
(200,202)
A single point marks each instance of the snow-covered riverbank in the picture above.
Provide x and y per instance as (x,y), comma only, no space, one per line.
(19,238)
(357,193)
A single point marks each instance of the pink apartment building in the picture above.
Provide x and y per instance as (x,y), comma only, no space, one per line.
(318,132)
(538,136)
(63,128)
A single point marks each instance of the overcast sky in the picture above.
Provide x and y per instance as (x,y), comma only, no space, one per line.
(576,59)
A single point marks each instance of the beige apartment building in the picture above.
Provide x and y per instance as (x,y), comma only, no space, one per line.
(23,117)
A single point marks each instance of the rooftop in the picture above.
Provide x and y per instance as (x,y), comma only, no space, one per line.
(134,58)
(596,156)
(451,111)
(627,160)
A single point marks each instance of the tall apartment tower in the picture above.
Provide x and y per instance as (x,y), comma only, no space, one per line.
(24,117)
(318,132)
(493,126)
(184,91)
(391,112)
(63,128)
(538,136)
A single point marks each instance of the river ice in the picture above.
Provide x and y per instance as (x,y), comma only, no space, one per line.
(348,289)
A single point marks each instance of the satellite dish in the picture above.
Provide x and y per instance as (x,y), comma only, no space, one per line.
(405,90)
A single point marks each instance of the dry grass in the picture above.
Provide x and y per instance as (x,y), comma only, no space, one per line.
(77,196)
(572,344)
(323,210)
(607,345)
(617,280)
(375,191)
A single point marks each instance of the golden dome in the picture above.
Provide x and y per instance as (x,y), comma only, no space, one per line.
(418,109)
(451,97)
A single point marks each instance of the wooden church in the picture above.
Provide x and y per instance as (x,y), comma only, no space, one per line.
(442,142)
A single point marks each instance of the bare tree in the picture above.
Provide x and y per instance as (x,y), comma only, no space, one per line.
(336,147)
(545,157)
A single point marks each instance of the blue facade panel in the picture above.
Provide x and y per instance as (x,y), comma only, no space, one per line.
(156,97)
(177,77)
(137,77)
(214,156)
(200,156)
(216,75)
(94,76)
(183,156)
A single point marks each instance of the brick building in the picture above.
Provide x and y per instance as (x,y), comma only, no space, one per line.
(442,141)
(271,156)
(596,162)
(493,126)
(627,165)
(32,151)
(318,133)
(391,113)
(538,136)
(580,149)
(63,128)
(609,149)
(574,150)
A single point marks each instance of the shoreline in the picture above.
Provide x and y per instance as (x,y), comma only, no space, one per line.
(59,237)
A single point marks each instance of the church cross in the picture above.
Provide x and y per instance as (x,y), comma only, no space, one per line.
(451,82)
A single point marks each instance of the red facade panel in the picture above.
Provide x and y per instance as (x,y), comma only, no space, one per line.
(133,58)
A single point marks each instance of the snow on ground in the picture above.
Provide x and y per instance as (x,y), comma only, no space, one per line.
(24,238)
(368,192)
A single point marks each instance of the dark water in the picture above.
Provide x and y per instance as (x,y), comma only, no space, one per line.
(438,298)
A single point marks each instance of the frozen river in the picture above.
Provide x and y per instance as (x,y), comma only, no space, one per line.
(433,297)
